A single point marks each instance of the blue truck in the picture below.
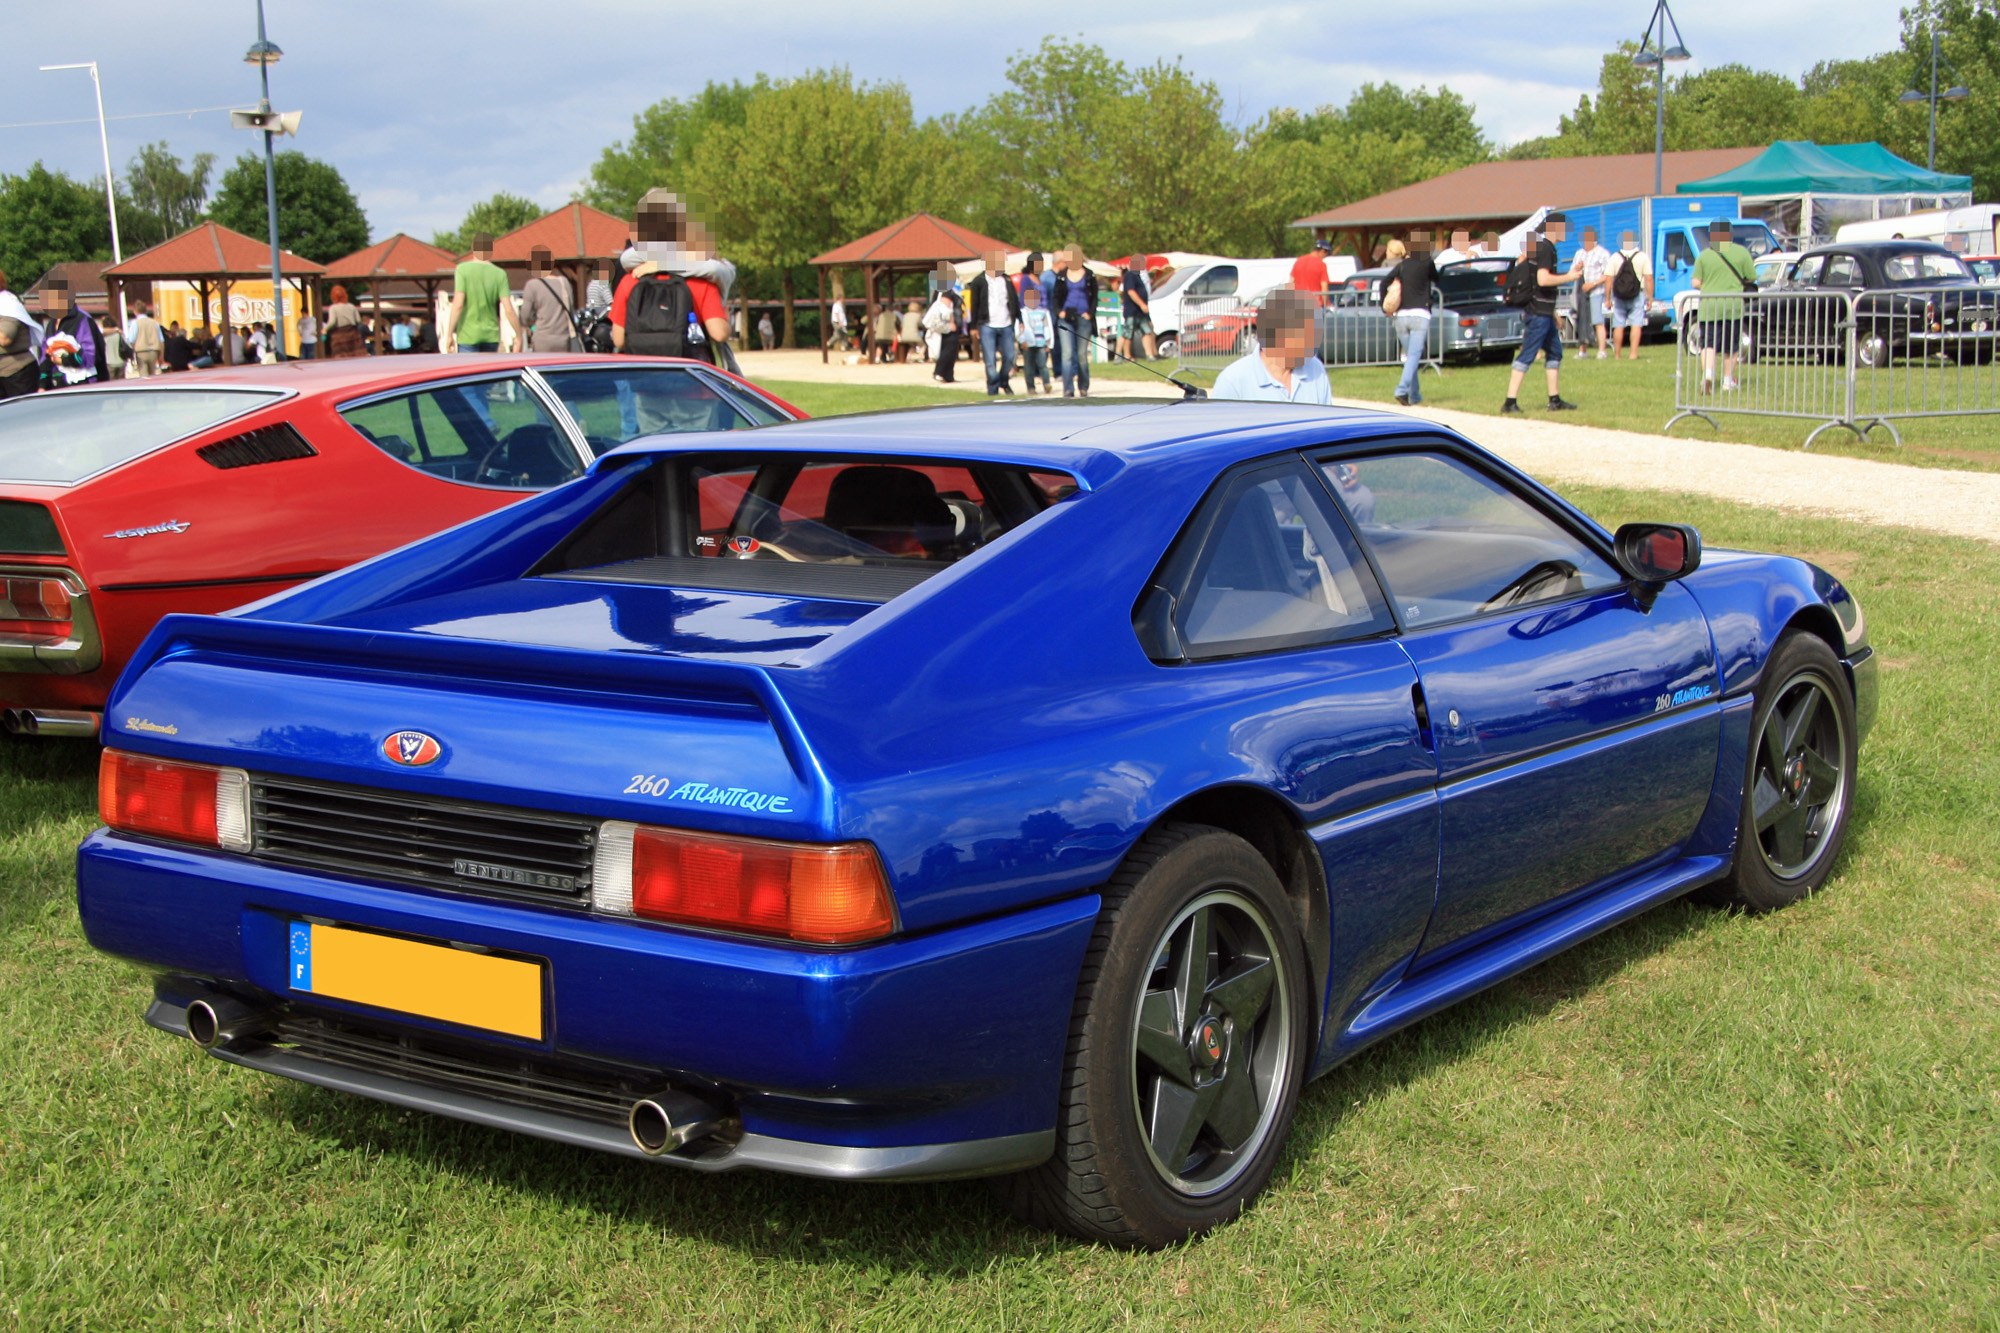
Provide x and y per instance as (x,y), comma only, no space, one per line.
(1672,229)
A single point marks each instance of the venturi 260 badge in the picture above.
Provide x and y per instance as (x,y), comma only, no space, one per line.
(411,748)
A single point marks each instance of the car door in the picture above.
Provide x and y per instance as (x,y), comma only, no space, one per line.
(1267,607)
(1576,719)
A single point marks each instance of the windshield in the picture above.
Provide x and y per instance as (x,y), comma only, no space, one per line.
(1176,282)
(1750,235)
(1471,283)
(617,405)
(61,438)
(1924,266)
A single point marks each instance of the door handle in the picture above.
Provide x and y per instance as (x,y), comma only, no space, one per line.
(1423,717)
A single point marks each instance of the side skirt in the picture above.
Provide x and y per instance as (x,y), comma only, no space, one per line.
(1423,993)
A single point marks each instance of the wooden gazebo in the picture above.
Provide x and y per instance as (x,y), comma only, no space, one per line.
(577,237)
(912,246)
(400,265)
(210,257)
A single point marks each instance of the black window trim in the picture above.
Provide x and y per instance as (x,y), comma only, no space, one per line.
(1544,502)
(1184,558)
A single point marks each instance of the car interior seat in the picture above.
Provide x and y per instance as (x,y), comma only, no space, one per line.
(533,454)
(894,509)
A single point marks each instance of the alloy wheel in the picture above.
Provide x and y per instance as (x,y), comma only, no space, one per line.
(1799,786)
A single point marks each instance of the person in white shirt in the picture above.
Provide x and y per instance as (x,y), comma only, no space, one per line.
(1597,284)
(838,318)
(1629,312)
(1459,249)
(995,305)
(1283,369)
(308,337)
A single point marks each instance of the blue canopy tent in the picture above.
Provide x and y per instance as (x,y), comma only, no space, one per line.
(1806,191)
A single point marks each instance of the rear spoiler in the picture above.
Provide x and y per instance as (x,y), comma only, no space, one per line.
(358,653)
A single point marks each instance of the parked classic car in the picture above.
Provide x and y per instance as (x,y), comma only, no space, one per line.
(1468,317)
(198,492)
(1900,298)
(1038,790)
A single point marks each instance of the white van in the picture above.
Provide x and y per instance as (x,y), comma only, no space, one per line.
(1219,284)
(1973,226)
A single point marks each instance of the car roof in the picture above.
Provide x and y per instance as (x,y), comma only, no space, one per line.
(1908,245)
(370,372)
(1091,441)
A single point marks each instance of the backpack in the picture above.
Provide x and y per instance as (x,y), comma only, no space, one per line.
(660,319)
(1625,284)
(1522,285)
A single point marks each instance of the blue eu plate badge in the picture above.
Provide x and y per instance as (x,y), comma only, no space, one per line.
(302,957)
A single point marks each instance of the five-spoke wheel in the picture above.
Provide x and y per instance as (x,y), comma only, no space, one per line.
(1187,1047)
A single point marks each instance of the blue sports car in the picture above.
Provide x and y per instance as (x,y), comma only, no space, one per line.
(1044,792)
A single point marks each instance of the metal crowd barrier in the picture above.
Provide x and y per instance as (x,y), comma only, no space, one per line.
(1848,360)
(1353,332)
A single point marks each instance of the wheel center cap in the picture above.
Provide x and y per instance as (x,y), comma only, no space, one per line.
(1210,1043)
(1795,777)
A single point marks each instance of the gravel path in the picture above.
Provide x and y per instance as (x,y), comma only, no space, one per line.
(1958,504)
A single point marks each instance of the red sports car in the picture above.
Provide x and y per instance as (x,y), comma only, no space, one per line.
(120,503)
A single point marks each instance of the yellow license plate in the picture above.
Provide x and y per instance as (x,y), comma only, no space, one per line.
(429,980)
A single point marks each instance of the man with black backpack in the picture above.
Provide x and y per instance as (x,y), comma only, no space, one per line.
(659,313)
(1631,293)
(1531,286)
(1722,273)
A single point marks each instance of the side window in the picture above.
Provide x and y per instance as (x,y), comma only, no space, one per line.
(1806,273)
(616,405)
(1679,253)
(1842,271)
(1452,542)
(1264,566)
(1218,281)
(485,433)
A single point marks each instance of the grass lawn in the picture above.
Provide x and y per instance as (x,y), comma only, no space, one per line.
(1696,1121)
(1639,396)
(831,400)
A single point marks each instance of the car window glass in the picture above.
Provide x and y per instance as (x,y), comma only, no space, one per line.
(58,438)
(616,405)
(1677,249)
(1218,281)
(1806,273)
(1842,271)
(1452,542)
(844,511)
(485,433)
(1922,267)
(1276,572)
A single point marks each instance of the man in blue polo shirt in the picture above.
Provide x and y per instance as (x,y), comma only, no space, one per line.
(1284,369)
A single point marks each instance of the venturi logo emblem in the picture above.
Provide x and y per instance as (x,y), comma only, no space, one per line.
(411,748)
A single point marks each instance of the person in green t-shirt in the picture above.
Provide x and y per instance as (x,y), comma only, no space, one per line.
(480,300)
(1722,270)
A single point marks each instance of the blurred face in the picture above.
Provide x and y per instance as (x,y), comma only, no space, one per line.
(1461,241)
(1626,240)
(1556,231)
(996,262)
(1420,242)
(1589,237)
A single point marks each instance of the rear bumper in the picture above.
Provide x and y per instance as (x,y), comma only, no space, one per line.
(934,1055)
(71,654)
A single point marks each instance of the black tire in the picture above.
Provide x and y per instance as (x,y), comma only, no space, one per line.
(1106,1181)
(1799,785)
(1168,347)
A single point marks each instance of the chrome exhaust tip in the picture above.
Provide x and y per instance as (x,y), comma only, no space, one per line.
(669,1120)
(221,1021)
(10,721)
(50,722)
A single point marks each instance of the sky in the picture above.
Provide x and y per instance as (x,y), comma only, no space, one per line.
(427,107)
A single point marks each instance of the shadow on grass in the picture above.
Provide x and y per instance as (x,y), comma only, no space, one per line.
(949,1229)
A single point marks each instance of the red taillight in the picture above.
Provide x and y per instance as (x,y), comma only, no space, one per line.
(35,599)
(186,802)
(816,893)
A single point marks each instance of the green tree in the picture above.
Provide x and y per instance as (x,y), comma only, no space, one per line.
(1045,146)
(1171,171)
(817,161)
(1968,132)
(47,219)
(1733,106)
(663,140)
(496,217)
(167,198)
(318,217)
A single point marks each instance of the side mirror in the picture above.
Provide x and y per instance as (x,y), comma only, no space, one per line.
(1657,552)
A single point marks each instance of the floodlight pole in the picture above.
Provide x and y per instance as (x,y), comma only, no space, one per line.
(1657,54)
(1930,162)
(263,47)
(110,197)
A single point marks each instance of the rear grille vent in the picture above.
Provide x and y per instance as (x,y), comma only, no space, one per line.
(27,528)
(491,850)
(584,1092)
(269,444)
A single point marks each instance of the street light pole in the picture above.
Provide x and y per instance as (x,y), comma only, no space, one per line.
(1955,93)
(110,197)
(263,55)
(1656,54)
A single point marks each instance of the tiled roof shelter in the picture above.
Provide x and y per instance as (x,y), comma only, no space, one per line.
(911,246)
(210,256)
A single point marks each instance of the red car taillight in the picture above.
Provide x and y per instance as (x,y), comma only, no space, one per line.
(816,893)
(196,803)
(34,599)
